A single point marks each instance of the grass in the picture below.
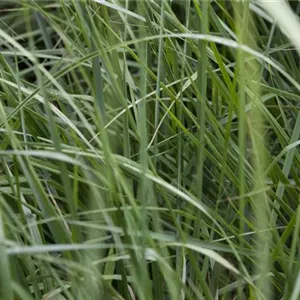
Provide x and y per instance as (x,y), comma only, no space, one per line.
(149,150)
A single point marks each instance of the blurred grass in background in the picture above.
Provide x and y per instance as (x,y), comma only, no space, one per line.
(149,150)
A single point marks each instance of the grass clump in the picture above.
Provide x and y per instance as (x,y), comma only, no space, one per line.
(149,150)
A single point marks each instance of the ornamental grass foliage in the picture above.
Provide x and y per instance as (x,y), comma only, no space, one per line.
(149,149)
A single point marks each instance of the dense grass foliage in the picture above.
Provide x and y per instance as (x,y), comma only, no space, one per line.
(149,149)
